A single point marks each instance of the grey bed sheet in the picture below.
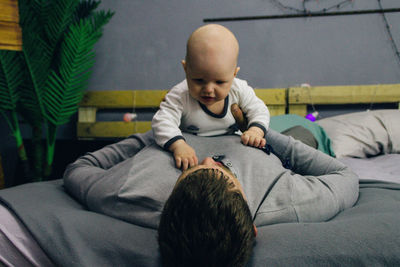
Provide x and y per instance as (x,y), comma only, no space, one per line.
(383,167)
(367,234)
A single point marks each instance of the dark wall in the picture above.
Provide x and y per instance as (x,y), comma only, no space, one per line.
(145,41)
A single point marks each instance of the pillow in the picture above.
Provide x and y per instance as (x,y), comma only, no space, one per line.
(283,123)
(300,133)
(364,134)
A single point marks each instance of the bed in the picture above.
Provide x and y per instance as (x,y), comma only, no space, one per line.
(56,231)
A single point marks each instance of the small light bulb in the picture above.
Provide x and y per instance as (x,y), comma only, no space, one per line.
(129,117)
(312,116)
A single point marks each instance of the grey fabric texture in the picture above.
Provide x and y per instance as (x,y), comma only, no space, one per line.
(112,216)
(134,189)
(300,133)
(367,234)
(17,246)
(364,134)
(382,167)
(73,236)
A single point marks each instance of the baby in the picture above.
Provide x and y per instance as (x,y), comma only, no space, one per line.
(201,104)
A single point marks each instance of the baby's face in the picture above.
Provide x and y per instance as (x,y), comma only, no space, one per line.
(209,80)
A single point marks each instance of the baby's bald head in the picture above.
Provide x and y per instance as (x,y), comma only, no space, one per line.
(212,42)
(211,65)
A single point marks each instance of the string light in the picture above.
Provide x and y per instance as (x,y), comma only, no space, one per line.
(293,12)
(130,116)
(308,11)
(314,114)
(389,32)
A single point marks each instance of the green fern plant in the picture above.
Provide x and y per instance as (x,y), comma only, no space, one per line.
(43,84)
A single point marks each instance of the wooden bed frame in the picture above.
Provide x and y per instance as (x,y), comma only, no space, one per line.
(299,98)
(139,100)
(293,100)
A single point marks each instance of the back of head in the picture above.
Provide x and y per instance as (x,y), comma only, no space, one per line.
(205,223)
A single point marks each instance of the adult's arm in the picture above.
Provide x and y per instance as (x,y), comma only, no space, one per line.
(80,175)
(301,158)
(321,186)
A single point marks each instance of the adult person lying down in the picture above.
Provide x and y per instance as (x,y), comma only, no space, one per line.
(207,215)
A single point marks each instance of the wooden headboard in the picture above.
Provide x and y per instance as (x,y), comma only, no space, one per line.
(88,127)
(293,100)
(301,97)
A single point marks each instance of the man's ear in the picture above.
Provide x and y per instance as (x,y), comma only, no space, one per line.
(236,71)
(255,230)
(183,62)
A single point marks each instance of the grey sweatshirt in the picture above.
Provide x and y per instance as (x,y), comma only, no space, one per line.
(132,179)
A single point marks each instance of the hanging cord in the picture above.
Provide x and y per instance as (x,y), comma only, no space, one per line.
(389,32)
(308,11)
(314,112)
(128,117)
(373,96)
(134,109)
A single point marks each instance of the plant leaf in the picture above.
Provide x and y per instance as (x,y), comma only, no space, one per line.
(59,16)
(11,77)
(37,55)
(66,87)
(85,9)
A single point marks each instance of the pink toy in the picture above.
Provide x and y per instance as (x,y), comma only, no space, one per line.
(129,117)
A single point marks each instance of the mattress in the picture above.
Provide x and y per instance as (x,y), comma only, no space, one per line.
(367,234)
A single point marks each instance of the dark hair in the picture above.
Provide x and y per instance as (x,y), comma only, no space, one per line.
(205,222)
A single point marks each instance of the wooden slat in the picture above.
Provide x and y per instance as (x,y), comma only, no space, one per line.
(9,11)
(10,31)
(87,114)
(110,129)
(275,110)
(123,99)
(276,96)
(300,110)
(153,98)
(357,94)
(10,36)
(87,126)
(106,129)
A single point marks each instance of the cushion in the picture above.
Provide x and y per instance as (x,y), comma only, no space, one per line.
(283,123)
(300,133)
(364,134)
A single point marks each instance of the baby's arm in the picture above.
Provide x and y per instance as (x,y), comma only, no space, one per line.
(257,115)
(254,136)
(166,130)
(184,155)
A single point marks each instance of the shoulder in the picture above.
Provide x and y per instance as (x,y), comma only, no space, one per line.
(240,84)
(240,89)
(180,88)
(179,92)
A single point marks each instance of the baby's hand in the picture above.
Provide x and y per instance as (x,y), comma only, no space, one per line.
(184,155)
(254,136)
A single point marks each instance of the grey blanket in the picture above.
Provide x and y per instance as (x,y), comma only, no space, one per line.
(367,234)
(72,235)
